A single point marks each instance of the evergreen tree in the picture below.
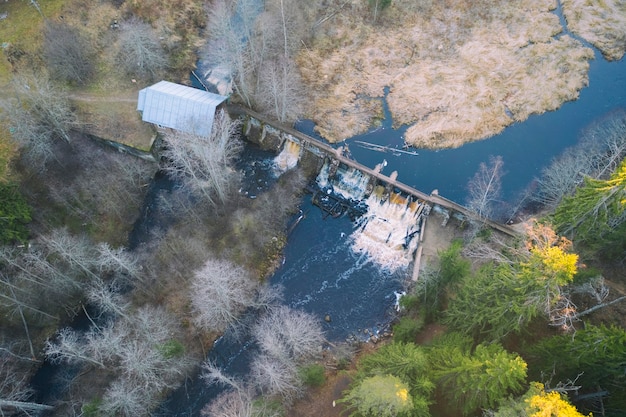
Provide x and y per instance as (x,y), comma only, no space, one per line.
(15,214)
(594,357)
(404,364)
(511,294)
(475,379)
(596,211)
(536,403)
(380,396)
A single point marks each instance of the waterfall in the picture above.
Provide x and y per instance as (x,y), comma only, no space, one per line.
(389,232)
(288,157)
(347,182)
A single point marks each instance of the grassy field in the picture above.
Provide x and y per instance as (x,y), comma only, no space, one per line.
(601,22)
(106,106)
(114,117)
(22,29)
(458,70)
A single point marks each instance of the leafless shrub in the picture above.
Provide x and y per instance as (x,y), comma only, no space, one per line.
(276,377)
(41,115)
(15,394)
(203,164)
(220,291)
(139,52)
(484,188)
(68,54)
(287,333)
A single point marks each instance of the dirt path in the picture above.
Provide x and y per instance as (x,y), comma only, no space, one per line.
(127,97)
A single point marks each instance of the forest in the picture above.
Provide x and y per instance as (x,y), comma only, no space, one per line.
(531,325)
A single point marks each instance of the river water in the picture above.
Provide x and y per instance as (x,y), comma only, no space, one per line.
(323,276)
(525,147)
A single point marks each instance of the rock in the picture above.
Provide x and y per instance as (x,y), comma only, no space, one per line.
(374,339)
(327,318)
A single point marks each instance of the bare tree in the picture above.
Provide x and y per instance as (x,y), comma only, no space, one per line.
(68,54)
(599,152)
(75,253)
(562,176)
(238,400)
(40,115)
(484,187)
(71,347)
(117,262)
(212,374)
(220,291)
(289,333)
(603,145)
(15,395)
(141,348)
(139,52)
(127,398)
(228,42)
(280,89)
(275,376)
(79,259)
(204,164)
(279,80)
(108,299)
(231,403)
(257,44)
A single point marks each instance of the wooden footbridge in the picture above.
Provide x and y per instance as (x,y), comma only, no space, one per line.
(322,149)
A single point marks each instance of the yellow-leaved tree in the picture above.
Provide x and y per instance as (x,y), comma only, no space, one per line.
(537,402)
(550,404)
(517,287)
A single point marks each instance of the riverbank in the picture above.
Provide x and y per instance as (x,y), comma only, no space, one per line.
(491,65)
(322,400)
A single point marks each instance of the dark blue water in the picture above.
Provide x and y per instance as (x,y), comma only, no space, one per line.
(525,147)
(320,273)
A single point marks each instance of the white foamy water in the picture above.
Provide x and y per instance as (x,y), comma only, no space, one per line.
(288,157)
(347,182)
(389,232)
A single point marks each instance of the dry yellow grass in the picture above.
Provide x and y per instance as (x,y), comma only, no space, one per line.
(114,117)
(600,22)
(458,71)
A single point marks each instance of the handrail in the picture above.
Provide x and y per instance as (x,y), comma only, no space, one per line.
(433,198)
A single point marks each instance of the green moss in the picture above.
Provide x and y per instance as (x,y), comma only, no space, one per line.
(23,29)
(313,375)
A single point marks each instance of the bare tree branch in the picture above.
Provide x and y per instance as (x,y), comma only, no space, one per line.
(484,187)
(204,164)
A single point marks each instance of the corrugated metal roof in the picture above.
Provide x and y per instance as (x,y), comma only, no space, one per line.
(179,107)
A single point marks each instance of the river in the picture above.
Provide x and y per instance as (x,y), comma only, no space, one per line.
(323,276)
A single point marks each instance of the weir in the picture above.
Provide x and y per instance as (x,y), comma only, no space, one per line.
(271,134)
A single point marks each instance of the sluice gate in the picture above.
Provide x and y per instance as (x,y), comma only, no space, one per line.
(270,134)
